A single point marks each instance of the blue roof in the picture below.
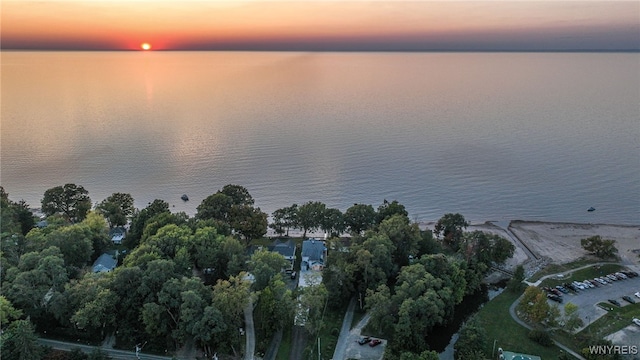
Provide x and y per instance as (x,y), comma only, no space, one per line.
(313,249)
(104,263)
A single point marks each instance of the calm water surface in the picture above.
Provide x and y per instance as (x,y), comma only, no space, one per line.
(494,136)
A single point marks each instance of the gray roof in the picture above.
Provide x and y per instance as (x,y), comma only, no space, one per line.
(313,249)
(104,263)
(284,248)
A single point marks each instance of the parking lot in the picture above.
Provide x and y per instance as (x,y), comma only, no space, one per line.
(588,299)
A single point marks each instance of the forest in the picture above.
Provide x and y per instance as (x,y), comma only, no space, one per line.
(182,279)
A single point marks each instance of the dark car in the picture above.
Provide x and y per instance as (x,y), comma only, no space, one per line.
(375,342)
(630,273)
(555,298)
(364,340)
(562,289)
(629,299)
(293,275)
(614,302)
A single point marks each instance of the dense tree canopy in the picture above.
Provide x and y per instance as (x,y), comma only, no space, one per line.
(117,208)
(70,200)
(450,228)
(359,217)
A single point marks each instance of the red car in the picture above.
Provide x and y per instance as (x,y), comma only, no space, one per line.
(375,342)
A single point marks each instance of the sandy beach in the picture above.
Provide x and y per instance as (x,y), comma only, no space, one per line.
(560,242)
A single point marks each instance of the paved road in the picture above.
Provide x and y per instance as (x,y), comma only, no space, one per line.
(115,354)
(250,336)
(341,345)
(298,342)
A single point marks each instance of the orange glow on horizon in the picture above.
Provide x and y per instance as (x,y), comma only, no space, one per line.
(173,24)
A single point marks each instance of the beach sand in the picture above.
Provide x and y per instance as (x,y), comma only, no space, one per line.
(560,242)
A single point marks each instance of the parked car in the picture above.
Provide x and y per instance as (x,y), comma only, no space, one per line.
(636,321)
(612,277)
(601,281)
(555,298)
(630,273)
(570,287)
(293,275)
(375,342)
(628,299)
(594,283)
(364,340)
(587,284)
(578,285)
(563,290)
(614,302)
(605,279)
(637,294)
(620,275)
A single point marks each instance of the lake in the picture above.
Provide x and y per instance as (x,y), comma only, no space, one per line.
(494,136)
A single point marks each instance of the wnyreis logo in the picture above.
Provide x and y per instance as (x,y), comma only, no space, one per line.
(613,349)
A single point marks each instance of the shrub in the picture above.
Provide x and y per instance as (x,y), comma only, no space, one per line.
(541,337)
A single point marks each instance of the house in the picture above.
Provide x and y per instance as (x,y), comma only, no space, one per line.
(314,253)
(286,249)
(117,235)
(104,263)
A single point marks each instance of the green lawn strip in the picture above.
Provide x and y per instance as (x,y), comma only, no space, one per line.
(558,268)
(328,335)
(284,351)
(509,335)
(358,314)
(583,274)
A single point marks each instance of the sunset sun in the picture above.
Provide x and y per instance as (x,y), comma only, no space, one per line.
(145,46)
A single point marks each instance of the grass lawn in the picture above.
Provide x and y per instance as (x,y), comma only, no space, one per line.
(328,335)
(583,274)
(509,335)
(558,268)
(285,345)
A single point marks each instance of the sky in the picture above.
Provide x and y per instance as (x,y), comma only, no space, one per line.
(321,25)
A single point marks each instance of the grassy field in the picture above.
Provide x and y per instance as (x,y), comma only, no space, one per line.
(285,345)
(558,268)
(507,334)
(583,274)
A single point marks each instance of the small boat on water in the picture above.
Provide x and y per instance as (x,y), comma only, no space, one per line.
(591,209)
(184,197)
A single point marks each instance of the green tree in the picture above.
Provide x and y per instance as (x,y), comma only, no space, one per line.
(274,309)
(7,312)
(314,298)
(239,195)
(248,221)
(230,297)
(599,247)
(139,221)
(571,318)
(332,222)
(404,236)
(359,217)
(117,208)
(534,304)
(169,239)
(310,216)
(284,219)
(75,244)
(71,200)
(216,206)
(19,342)
(472,340)
(389,209)
(264,265)
(516,284)
(15,217)
(450,228)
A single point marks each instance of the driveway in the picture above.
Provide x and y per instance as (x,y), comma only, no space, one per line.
(353,350)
